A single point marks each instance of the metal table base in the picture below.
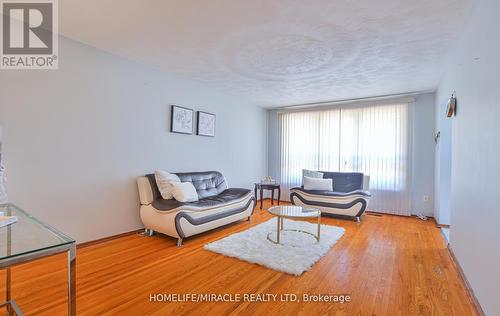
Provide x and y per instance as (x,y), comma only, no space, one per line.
(279,229)
(70,248)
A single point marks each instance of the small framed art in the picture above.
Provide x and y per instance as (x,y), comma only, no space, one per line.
(181,120)
(206,124)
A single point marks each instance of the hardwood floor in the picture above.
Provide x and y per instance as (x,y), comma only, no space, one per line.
(389,265)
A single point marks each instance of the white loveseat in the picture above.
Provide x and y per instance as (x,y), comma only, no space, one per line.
(218,205)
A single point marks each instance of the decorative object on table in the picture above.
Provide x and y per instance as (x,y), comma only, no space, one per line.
(271,186)
(181,120)
(451,108)
(295,254)
(3,193)
(7,220)
(206,124)
(268,179)
(348,199)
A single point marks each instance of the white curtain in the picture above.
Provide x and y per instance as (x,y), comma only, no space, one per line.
(374,140)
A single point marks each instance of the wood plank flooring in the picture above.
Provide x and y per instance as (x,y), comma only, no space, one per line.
(389,265)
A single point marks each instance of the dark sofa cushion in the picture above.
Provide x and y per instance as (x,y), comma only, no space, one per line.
(226,196)
(345,181)
(206,183)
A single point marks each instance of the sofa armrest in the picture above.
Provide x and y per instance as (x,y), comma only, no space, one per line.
(366,182)
(145,191)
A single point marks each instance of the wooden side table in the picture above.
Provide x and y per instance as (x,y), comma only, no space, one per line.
(267,186)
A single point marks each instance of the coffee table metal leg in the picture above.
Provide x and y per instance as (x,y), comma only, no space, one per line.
(281,223)
(278,230)
(319,227)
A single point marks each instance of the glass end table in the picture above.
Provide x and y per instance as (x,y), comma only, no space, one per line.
(293,212)
(29,239)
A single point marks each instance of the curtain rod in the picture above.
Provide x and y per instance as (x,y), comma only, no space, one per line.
(307,106)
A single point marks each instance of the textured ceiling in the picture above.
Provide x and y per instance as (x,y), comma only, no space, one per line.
(277,53)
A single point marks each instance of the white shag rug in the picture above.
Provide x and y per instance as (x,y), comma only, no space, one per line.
(297,253)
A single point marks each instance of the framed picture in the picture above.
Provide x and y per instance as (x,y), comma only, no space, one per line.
(206,124)
(181,120)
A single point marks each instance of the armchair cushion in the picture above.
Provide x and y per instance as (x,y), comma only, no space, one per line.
(345,181)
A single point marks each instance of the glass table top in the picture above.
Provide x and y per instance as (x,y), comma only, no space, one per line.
(276,183)
(27,235)
(294,211)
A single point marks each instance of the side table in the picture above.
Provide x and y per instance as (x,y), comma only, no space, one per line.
(261,186)
(29,239)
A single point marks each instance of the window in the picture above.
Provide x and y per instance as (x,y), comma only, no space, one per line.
(371,139)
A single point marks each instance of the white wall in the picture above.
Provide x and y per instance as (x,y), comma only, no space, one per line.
(443,160)
(75,139)
(474,72)
(3,193)
(422,152)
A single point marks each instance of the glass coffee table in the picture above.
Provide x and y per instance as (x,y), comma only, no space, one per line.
(29,239)
(293,212)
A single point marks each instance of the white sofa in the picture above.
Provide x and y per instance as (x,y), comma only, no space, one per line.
(217,206)
(349,198)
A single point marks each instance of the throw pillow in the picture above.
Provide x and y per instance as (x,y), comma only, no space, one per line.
(184,192)
(311,174)
(318,184)
(164,182)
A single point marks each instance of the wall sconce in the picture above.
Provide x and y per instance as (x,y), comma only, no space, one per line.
(451,108)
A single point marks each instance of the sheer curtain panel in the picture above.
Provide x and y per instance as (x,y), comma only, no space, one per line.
(374,140)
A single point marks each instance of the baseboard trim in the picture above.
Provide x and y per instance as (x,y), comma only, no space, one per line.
(470,291)
(375,213)
(105,239)
(370,213)
(442,225)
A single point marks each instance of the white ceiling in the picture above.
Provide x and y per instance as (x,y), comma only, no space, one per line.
(281,52)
